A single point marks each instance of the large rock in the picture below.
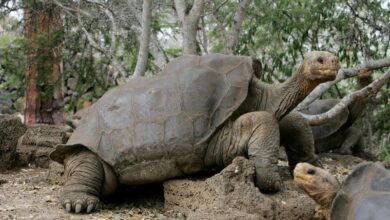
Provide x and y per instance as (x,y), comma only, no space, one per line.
(231,194)
(36,144)
(11,128)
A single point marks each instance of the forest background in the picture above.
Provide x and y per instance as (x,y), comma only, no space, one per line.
(59,56)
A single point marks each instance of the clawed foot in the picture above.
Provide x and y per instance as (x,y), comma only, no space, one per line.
(344,151)
(79,202)
(268,181)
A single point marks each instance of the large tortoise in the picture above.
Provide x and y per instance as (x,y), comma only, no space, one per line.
(338,134)
(364,195)
(199,113)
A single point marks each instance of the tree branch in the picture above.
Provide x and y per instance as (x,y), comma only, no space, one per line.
(145,39)
(180,6)
(342,74)
(190,22)
(155,46)
(367,91)
(238,18)
(196,10)
(117,65)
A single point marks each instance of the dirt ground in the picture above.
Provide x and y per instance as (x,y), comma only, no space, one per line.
(26,194)
(31,193)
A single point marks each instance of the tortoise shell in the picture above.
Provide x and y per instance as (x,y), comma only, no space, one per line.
(164,121)
(332,125)
(364,195)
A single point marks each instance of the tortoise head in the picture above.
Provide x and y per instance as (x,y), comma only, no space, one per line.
(320,66)
(318,183)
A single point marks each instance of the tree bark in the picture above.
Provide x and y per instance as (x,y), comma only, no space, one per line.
(155,47)
(31,71)
(145,39)
(43,93)
(189,17)
(342,74)
(369,90)
(238,18)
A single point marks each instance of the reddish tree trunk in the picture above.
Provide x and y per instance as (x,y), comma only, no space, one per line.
(43,77)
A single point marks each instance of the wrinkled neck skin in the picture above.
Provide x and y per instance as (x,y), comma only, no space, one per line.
(278,99)
(357,106)
(364,81)
(324,201)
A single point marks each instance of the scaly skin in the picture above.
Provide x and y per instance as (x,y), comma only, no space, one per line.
(319,184)
(252,131)
(87,179)
(256,137)
(297,138)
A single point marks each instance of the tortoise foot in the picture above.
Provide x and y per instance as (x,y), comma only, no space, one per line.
(268,181)
(78,202)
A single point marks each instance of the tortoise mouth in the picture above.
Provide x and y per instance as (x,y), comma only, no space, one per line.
(300,179)
(328,71)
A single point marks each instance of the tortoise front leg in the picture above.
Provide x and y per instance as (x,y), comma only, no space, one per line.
(297,138)
(263,149)
(87,179)
(254,135)
(352,136)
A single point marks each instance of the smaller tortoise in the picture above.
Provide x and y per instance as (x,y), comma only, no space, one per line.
(364,195)
(338,134)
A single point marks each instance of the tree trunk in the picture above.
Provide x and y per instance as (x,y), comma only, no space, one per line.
(190,20)
(42,28)
(238,18)
(145,39)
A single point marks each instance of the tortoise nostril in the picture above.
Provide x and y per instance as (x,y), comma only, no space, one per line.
(311,171)
(334,61)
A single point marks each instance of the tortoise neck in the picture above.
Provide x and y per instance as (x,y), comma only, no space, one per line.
(324,201)
(364,81)
(280,99)
(357,106)
(292,92)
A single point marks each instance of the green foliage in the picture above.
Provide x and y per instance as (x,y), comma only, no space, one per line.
(384,153)
(46,46)
(12,64)
(173,52)
(285,30)
(279,33)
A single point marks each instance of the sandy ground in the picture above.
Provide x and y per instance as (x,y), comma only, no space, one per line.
(28,194)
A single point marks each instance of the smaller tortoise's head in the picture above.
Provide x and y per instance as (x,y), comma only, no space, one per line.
(364,74)
(320,66)
(318,183)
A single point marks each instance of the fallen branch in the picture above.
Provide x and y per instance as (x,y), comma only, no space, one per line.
(367,91)
(342,74)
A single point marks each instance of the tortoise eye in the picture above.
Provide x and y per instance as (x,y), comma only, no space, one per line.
(320,60)
(311,171)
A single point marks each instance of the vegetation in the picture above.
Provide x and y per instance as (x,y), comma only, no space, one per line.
(100,42)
